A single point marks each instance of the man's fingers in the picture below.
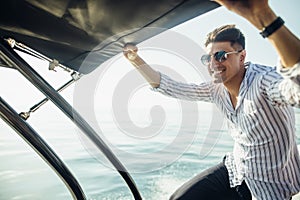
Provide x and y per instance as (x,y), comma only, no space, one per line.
(130,51)
(130,47)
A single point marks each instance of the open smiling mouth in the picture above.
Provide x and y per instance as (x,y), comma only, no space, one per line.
(217,72)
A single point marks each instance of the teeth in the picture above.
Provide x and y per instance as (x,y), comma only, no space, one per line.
(218,71)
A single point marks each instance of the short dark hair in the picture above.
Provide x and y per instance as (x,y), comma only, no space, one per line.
(226,33)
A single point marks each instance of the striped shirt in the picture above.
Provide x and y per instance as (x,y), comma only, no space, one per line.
(262,124)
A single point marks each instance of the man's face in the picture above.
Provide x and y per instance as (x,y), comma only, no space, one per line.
(229,70)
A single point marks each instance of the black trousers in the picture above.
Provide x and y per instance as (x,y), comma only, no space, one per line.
(212,184)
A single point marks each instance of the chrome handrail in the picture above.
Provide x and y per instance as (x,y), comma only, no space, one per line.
(11,117)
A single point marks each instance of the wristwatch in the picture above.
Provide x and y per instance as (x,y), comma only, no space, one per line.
(274,26)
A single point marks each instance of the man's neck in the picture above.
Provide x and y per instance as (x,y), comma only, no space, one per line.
(233,86)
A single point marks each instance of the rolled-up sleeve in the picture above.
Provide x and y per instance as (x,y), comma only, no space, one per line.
(290,85)
(185,91)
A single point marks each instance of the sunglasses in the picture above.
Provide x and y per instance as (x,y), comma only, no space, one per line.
(219,56)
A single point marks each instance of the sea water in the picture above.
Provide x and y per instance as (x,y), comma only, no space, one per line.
(24,175)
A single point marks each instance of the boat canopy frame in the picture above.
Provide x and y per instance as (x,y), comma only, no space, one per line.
(15,121)
(68,32)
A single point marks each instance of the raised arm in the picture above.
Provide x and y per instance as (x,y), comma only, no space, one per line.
(152,76)
(259,13)
(166,85)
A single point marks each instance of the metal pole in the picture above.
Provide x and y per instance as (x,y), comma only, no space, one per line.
(26,70)
(26,115)
(11,117)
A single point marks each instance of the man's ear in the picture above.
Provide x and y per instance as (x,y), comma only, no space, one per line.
(243,56)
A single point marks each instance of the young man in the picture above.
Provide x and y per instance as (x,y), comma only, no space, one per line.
(257,101)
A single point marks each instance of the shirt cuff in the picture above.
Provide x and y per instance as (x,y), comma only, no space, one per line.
(288,72)
(163,84)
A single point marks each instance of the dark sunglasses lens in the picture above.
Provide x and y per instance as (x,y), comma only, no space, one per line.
(220,56)
(205,59)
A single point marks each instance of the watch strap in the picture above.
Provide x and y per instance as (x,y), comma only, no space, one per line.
(274,26)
